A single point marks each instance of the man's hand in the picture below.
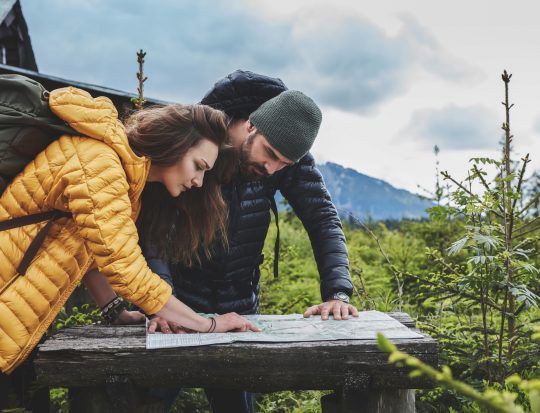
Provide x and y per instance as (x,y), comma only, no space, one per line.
(130,317)
(337,308)
(160,324)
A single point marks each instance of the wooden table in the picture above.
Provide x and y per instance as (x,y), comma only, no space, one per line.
(103,366)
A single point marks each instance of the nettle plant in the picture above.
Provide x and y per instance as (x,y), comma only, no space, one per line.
(488,275)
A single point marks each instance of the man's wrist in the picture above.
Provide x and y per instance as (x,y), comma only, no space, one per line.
(112,310)
(340,296)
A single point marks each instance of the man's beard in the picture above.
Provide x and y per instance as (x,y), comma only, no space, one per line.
(250,170)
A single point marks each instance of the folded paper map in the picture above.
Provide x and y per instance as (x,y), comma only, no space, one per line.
(294,327)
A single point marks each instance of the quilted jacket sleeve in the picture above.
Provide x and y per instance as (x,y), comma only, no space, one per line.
(97,196)
(302,185)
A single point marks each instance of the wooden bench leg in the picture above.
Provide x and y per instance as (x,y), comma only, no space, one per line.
(41,401)
(87,399)
(331,403)
(369,401)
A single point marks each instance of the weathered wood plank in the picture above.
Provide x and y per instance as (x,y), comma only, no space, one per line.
(403,318)
(104,351)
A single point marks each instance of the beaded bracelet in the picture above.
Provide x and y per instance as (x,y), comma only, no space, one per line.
(112,309)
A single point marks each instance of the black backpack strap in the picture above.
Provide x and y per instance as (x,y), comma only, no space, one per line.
(36,243)
(3,184)
(276,244)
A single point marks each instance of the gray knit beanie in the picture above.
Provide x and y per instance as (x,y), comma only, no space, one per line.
(290,122)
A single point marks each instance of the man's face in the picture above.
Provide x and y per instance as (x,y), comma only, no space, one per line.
(258,159)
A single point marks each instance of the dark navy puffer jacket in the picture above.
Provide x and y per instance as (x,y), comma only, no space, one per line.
(230,280)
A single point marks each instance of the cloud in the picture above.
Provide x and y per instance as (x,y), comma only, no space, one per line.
(454,128)
(343,60)
(352,66)
(536,125)
(430,55)
(189,45)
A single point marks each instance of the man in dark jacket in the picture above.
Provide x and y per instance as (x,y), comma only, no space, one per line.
(272,129)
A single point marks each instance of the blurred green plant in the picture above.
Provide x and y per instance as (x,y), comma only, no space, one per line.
(59,400)
(497,401)
(290,402)
(85,315)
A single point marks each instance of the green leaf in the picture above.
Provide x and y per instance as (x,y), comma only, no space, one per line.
(514,379)
(457,246)
(486,161)
(487,241)
(534,399)
(384,344)
(397,356)
(415,374)
(447,372)
(481,259)
(521,253)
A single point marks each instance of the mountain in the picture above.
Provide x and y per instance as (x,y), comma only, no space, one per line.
(370,198)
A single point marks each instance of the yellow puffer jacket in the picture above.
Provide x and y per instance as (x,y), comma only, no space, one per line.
(99,179)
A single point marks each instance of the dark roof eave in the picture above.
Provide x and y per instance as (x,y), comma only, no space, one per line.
(120,98)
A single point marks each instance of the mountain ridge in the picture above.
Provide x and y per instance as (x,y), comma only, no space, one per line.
(367,197)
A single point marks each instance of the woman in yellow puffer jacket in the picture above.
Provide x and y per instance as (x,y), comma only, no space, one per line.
(99,178)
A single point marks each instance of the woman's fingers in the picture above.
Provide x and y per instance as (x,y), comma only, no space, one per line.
(152,325)
(177,329)
(253,327)
(233,322)
(164,326)
(246,325)
(242,324)
(160,324)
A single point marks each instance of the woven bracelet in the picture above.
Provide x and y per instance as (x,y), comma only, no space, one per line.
(112,309)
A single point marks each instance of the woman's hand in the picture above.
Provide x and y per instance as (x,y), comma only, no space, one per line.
(160,324)
(224,323)
(130,317)
(176,311)
(233,322)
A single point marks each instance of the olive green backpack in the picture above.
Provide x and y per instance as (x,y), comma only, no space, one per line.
(27,127)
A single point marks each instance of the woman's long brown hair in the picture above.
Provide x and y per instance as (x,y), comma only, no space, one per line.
(179,229)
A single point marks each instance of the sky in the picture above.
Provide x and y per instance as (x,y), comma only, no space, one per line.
(393,78)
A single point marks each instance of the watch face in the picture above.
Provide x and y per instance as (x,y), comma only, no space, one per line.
(342,297)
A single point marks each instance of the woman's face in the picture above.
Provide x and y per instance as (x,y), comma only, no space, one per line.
(188,171)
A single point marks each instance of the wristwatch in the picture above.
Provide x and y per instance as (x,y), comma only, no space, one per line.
(341,297)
